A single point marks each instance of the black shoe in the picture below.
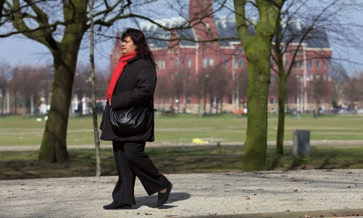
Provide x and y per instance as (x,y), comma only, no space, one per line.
(116,206)
(163,197)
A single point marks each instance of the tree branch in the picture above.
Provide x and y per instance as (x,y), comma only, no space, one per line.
(241,21)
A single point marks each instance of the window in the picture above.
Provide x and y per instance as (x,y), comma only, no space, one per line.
(286,62)
(317,63)
(211,62)
(189,63)
(161,64)
(205,62)
(295,64)
(241,62)
(226,62)
(235,63)
(176,62)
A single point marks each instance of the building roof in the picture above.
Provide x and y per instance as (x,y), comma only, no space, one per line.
(317,37)
(226,30)
(159,38)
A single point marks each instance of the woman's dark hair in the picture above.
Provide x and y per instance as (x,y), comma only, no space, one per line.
(142,48)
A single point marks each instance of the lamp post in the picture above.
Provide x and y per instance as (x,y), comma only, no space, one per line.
(300,93)
(204,86)
(234,95)
(2,102)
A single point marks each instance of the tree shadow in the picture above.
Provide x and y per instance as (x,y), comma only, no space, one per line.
(319,161)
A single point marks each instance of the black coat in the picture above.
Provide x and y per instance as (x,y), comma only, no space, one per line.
(135,87)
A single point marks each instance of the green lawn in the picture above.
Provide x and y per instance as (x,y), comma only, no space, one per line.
(181,129)
(24,130)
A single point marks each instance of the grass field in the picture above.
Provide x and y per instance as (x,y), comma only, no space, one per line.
(179,129)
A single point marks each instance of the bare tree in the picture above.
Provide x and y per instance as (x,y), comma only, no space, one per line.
(82,88)
(318,88)
(2,2)
(187,87)
(360,91)
(242,86)
(203,91)
(164,92)
(3,91)
(25,93)
(291,90)
(4,84)
(302,24)
(339,76)
(93,80)
(217,87)
(177,84)
(61,26)
(352,91)
(257,46)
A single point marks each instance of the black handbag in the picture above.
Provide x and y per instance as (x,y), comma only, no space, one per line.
(129,121)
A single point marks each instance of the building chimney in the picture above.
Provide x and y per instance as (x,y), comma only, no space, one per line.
(201,17)
(200,8)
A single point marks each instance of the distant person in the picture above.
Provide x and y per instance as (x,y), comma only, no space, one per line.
(315,114)
(134,88)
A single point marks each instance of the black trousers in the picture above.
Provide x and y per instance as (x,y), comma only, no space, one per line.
(131,162)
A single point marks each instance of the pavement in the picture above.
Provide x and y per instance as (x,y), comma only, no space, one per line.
(307,193)
(301,194)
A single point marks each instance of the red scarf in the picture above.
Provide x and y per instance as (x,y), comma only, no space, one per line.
(117,73)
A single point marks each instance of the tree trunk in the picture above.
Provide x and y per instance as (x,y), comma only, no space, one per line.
(15,103)
(257,48)
(54,143)
(3,91)
(281,114)
(257,98)
(65,53)
(93,81)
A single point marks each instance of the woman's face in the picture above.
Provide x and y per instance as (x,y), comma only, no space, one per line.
(128,45)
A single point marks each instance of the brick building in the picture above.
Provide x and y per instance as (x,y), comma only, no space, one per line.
(200,76)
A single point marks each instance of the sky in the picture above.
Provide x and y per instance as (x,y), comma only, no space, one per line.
(18,50)
(23,51)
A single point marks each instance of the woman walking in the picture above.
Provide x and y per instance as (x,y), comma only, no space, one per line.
(133,84)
